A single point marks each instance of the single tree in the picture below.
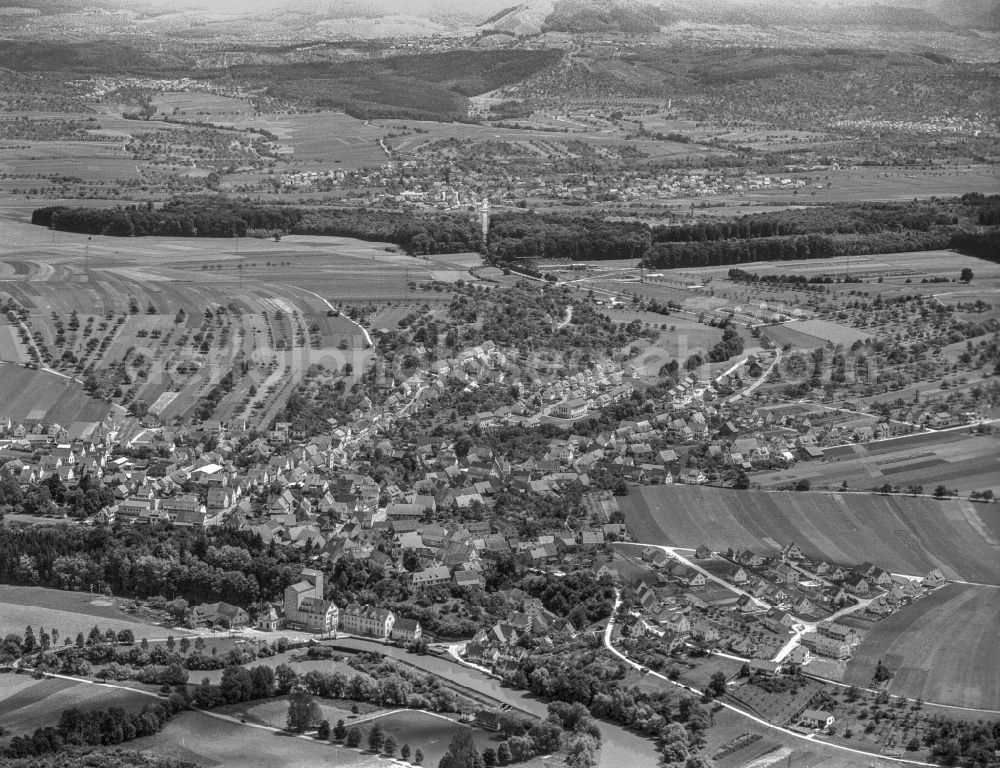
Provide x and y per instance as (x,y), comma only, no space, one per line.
(717,684)
(354,737)
(882,673)
(389,745)
(966,275)
(503,753)
(404,752)
(185,645)
(376,738)
(339,731)
(462,752)
(285,679)
(303,712)
(418,757)
(324,730)
(489,757)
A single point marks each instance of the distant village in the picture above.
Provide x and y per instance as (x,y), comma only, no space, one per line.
(317,494)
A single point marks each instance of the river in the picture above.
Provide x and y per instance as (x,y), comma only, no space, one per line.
(619,747)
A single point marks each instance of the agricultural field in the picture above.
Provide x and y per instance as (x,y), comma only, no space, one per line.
(894,269)
(28,707)
(321,141)
(29,396)
(162,321)
(87,160)
(201,106)
(810,334)
(958,460)
(901,534)
(69,612)
(868,184)
(942,648)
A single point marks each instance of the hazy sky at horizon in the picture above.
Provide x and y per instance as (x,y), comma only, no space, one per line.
(415,7)
(421,7)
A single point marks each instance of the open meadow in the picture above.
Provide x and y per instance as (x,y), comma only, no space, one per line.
(901,534)
(69,612)
(942,648)
(207,740)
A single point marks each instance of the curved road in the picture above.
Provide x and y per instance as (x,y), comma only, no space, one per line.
(786,731)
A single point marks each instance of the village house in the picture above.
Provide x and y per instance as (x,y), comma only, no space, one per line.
(404,630)
(216,614)
(367,620)
(816,718)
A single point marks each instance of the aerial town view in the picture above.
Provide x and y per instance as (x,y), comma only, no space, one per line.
(475,383)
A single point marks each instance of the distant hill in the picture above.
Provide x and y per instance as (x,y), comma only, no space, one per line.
(97,56)
(626,16)
(647,16)
(412,19)
(523,20)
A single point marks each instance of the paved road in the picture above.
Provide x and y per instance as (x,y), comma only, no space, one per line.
(786,731)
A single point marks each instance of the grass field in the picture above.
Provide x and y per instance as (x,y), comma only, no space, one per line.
(33,706)
(955,458)
(942,648)
(432,734)
(205,740)
(87,160)
(69,612)
(31,396)
(900,534)
(809,334)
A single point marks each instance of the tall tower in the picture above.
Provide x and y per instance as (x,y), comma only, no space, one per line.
(484,218)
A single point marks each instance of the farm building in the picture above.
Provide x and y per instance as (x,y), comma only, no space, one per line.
(211,614)
(305,607)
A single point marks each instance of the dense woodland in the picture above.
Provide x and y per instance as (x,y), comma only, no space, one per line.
(147,561)
(218,216)
(819,232)
(107,757)
(431,86)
